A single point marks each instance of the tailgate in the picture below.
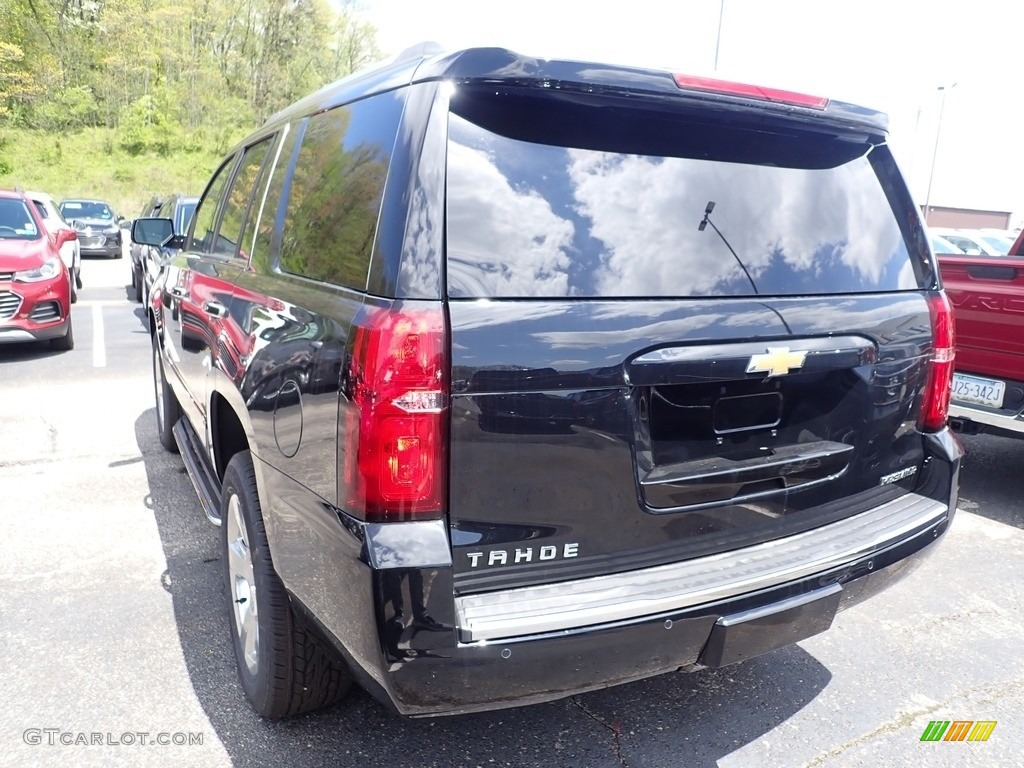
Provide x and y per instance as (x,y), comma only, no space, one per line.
(988,306)
(677,329)
(595,437)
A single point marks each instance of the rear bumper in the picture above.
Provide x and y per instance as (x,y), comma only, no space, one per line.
(967,418)
(425,654)
(452,678)
(1008,420)
(429,671)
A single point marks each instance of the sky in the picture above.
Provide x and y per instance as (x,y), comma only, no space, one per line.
(891,55)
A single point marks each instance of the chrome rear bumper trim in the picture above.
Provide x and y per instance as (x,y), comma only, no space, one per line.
(1011,423)
(623,596)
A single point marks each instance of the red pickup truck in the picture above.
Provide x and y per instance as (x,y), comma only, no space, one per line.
(987,295)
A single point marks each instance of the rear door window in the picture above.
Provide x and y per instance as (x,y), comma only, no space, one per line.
(262,223)
(664,206)
(202,238)
(236,203)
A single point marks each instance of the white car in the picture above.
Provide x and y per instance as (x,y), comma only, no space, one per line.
(941,245)
(71,251)
(970,242)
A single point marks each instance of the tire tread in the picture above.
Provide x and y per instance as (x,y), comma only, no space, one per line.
(304,673)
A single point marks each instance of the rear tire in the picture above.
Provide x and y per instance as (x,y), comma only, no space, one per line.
(73,289)
(66,342)
(168,410)
(284,666)
(137,283)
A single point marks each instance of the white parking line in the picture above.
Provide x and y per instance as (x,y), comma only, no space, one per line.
(99,347)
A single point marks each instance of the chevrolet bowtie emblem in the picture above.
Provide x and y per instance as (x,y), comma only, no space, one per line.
(778,361)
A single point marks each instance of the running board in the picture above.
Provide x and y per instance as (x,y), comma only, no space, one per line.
(206,484)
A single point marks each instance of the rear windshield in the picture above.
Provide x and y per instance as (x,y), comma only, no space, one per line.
(713,210)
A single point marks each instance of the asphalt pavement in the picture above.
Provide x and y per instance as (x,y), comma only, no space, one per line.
(114,636)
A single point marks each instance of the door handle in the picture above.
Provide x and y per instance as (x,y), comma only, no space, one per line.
(215,308)
(178,292)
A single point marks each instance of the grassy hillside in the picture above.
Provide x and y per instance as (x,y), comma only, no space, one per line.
(89,163)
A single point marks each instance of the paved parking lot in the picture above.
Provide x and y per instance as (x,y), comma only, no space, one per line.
(112,625)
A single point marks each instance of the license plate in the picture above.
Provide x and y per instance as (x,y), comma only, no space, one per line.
(974,389)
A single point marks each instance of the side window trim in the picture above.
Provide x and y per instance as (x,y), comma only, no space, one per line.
(232,161)
(271,167)
(286,193)
(241,155)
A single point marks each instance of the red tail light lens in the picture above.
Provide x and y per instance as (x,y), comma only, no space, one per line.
(394,460)
(935,407)
(711,85)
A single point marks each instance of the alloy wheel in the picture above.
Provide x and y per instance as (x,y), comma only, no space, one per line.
(242,585)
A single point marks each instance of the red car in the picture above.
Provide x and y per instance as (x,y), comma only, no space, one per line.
(35,285)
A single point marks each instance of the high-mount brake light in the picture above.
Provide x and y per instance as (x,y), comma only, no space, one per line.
(394,441)
(935,405)
(728,88)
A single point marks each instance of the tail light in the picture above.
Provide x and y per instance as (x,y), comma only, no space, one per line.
(935,407)
(394,441)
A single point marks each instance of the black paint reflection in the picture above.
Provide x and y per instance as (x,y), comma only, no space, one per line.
(406,594)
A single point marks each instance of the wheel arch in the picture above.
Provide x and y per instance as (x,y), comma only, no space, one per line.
(229,428)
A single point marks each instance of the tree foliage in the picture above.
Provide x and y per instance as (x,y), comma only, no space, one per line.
(160,70)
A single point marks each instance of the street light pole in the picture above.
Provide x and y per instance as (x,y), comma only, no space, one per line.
(935,152)
(718,40)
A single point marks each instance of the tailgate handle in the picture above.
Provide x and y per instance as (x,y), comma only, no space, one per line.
(992,272)
(721,479)
(715,362)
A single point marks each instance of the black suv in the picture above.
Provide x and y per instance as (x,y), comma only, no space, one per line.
(147,259)
(508,379)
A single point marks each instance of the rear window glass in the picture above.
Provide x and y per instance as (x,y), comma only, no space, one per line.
(715,211)
(336,190)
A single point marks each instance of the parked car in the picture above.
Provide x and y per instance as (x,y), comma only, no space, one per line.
(70,251)
(98,226)
(1017,249)
(1000,242)
(35,284)
(135,251)
(988,309)
(969,242)
(509,378)
(941,245)
(1003,234)
(178,208)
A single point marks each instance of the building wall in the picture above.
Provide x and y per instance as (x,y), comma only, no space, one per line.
(967,218)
